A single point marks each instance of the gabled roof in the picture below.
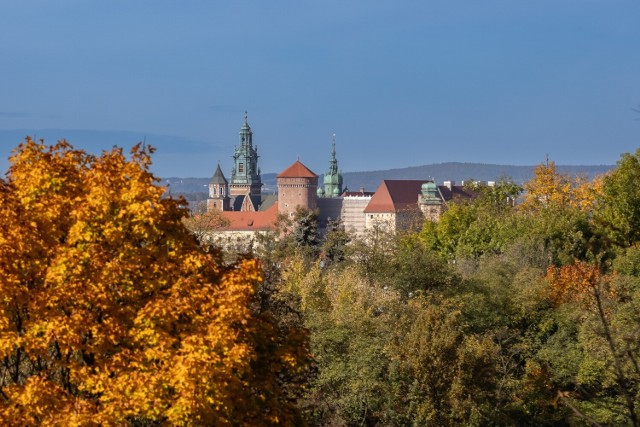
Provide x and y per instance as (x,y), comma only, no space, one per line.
(297,170)
(260,203)
(402,195)
(394,196)
(251,221)
(245,203)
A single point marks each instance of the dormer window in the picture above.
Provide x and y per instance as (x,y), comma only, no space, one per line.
(240,167)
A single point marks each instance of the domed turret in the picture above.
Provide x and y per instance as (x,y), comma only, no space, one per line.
(429,188)
(430,201)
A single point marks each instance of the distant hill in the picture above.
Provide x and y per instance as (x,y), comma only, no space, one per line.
(196,188)
(454,171)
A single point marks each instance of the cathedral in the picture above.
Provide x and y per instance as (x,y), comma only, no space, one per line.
(396,204)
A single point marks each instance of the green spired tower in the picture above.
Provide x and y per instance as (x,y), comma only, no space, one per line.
(245,175)
(332,178)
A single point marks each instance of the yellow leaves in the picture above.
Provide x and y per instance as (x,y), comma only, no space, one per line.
(109,310)
(586,193)
(550,189)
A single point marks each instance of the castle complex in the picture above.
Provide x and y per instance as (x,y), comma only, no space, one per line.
(396,204)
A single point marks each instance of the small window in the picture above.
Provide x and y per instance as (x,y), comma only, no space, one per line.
(240,167)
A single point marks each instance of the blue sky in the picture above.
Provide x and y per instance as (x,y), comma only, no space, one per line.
(401,83)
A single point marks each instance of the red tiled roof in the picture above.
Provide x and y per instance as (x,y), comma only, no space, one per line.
(402,195)
(297,170)
(247,221)
(394,196)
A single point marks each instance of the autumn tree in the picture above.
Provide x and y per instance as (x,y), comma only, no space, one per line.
(202,224)
(111,314)
(550,189)
(547,188)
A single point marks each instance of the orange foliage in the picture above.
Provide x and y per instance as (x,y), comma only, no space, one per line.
(109,312)
(578,282)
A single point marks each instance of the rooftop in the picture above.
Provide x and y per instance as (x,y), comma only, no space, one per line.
(252,221)
(297,170)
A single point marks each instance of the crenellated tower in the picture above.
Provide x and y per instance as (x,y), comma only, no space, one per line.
(245,175)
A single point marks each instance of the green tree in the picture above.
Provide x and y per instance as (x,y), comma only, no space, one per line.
(618,210)
(442,376)
(336,241)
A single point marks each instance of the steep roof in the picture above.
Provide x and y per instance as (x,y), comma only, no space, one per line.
(394,196)
(297,170)
(260,203)
(251,221)
(218,177)
(402,195)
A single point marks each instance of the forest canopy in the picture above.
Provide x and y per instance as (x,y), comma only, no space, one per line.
(500,313)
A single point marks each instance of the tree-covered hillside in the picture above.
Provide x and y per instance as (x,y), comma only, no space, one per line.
(196,188)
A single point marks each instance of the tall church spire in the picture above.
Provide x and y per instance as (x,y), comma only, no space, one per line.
(245,175)
(332,178)
(333,162)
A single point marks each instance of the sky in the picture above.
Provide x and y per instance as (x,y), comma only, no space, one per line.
(399,82)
